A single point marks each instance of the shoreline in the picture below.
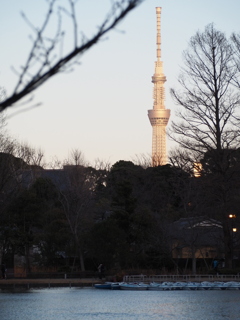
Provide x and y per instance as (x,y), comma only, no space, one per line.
(46,283)
(25,283)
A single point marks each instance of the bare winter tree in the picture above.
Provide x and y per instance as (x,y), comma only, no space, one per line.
(208,128)
(76,199)
(235,38)
(43,60)
(143,160)
(208,115)
(102,165)
(77,158)
(31,156)
(6,142)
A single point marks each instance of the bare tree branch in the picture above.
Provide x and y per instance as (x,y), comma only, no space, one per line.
(43,63)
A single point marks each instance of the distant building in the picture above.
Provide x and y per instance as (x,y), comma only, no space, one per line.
(198,236)
(196,242)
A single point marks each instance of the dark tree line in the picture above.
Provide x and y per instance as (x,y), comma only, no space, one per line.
(77,217)
(90,215)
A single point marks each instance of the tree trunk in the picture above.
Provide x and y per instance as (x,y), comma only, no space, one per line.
(227,246)
(194,261)
(27,260)
(80,253)
(81,260)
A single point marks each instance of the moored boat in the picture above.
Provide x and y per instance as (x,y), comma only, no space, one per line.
(134,286)
(193,286)
(204,285)
(179,286)
(106,285)
(154,286)
(116,285)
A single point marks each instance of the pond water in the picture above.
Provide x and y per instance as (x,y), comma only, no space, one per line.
(91,304)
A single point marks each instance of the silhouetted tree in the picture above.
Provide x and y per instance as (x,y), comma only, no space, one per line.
(208,116)
(76,195)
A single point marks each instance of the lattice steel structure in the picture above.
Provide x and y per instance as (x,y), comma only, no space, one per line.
(159,116)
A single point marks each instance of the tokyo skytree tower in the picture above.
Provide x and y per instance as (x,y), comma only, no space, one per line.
(159,116)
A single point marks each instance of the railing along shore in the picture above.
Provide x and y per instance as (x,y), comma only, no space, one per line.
(197,277)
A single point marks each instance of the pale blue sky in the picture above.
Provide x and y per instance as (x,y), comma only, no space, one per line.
(101,107)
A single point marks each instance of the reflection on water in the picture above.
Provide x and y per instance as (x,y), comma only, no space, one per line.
(90,304)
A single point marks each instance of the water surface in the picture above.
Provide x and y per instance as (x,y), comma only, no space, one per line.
(91,304)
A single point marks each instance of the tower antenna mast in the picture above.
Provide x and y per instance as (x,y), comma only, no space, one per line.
(159,116)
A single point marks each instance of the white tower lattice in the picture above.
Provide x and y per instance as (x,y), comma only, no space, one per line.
(159,116)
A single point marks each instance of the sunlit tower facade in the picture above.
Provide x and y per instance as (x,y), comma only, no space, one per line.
(159,116)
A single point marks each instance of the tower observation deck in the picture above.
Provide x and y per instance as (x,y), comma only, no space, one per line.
(159,116)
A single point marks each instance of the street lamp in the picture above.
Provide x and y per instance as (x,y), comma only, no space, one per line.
(233,230)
